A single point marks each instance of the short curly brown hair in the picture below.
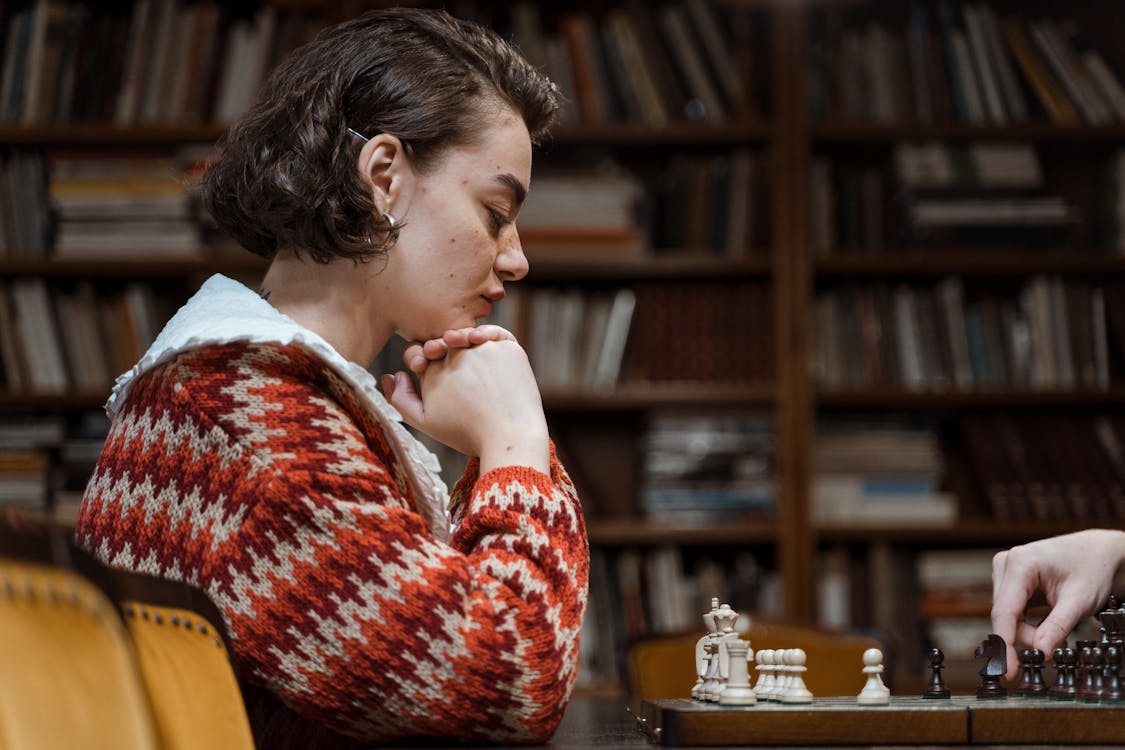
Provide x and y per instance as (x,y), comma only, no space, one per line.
(284,176)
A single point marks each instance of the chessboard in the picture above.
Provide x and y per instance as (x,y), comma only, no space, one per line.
(960,720)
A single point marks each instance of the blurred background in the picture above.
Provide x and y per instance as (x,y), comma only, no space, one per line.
(825,296)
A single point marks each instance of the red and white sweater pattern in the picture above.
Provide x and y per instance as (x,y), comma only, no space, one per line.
(253,471)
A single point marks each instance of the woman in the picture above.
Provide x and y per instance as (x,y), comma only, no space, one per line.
(251,453)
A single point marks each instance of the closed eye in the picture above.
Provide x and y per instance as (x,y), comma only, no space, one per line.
(497,220)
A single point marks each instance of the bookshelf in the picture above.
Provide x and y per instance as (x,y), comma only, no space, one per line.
(873,249)
(781,138)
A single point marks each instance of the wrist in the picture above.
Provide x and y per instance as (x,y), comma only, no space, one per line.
(527,448)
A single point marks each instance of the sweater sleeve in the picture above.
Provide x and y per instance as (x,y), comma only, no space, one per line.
(345,606)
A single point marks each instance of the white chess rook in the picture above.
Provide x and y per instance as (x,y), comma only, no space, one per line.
(738,691)
(874,693)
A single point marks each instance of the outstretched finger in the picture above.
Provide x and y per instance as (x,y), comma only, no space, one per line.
(489,332)
(1058,624)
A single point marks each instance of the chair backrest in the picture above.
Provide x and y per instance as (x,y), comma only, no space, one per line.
(68,672)
(665,667)
(173,675)
(182,650)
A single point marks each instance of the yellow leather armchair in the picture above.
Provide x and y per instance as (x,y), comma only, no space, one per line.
(68,673)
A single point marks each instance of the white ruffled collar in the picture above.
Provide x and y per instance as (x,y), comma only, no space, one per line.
(224,311)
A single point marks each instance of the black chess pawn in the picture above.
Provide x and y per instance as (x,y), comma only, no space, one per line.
(1081,668)
(936,688)
(1111,678)
(1033,660)
(1093,682)
(1031,683)
(1063,689)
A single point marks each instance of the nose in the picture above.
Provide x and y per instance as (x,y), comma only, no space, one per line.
(511,263)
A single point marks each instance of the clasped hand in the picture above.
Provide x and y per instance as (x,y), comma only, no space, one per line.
(477,394)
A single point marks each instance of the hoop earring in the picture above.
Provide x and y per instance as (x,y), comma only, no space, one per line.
(390,219)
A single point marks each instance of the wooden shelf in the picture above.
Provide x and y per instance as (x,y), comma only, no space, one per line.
(984,532)
(53,401)
(130,268)
(870,133)
(676,134)
(633,531)
(976,263)
(1000,398)
(546,266)
(614,134)
(85,135)
(640,396)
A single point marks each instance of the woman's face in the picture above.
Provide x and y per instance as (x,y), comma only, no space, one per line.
(458,244)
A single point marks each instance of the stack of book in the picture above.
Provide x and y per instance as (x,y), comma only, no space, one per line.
(594,213)
(879,473)
(123,207)
(704,469)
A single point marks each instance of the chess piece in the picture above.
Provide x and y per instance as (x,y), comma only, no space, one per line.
(702,656)
(737,691)
(874,692)
(764,688)
(1031,683)
(1111,680)
(994,651)
(725,618)
(936,688)
(796,691)
(1095,674)
(712,679)
(1059,691)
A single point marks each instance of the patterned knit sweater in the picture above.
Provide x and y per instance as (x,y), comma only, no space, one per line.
(258,472)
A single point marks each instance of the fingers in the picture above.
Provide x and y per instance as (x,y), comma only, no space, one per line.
(400,391)
(414,357)
(1010,592)
(1058,624)
(419,354)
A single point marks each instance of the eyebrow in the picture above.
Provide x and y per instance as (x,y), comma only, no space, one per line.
(517,187)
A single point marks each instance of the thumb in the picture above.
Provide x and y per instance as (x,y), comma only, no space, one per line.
(404,396)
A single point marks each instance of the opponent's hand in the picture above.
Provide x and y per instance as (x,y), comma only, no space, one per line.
(1074,572)
(481,400)
(418,354)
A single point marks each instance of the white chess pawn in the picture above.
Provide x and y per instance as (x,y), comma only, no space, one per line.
(795,691)
(781,674)
(765,684)
(874,693)
(737,691)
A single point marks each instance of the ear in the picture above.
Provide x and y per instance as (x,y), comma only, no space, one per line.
(385,167)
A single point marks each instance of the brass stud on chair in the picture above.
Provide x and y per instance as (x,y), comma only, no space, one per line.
(158,618)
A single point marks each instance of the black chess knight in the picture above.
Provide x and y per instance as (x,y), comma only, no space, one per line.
(994,650)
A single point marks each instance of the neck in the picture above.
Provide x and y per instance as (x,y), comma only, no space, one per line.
(333,300)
